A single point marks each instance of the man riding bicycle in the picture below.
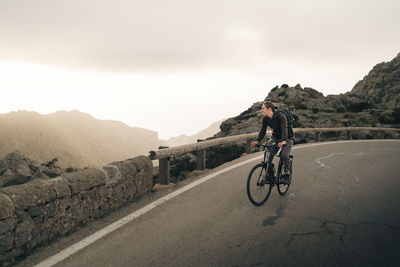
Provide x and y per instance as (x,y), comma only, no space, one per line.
(282,134)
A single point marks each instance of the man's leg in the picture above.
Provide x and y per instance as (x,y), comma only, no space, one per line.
(272,154)
(285,155)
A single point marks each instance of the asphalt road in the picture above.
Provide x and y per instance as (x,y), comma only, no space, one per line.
(342,210)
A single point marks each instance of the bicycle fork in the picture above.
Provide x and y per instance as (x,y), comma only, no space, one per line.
(267,175)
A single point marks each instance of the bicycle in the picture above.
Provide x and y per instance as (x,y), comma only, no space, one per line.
(260,182)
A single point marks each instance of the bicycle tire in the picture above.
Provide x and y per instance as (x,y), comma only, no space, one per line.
(258,191)
(283,188)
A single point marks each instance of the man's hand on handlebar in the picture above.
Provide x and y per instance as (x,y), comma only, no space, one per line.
(281,144)
(254,143)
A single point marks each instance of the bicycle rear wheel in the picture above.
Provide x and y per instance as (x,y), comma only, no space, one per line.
(283,187)
(258,190)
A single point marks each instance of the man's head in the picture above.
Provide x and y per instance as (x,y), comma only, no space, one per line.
(268,109)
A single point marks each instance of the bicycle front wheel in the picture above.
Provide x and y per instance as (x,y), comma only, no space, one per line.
(258,190)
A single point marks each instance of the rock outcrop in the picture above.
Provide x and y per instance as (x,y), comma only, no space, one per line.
(381,87)
(15,169)
(374,101)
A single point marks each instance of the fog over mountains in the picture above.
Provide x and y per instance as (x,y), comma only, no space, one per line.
(79,140)
(184,139)
(75,138)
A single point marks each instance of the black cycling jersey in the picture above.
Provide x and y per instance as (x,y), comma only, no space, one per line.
(278,124)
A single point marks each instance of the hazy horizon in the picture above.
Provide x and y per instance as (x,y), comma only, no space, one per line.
(177,66)
(110,120)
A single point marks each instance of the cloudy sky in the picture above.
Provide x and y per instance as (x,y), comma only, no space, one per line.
(176,66)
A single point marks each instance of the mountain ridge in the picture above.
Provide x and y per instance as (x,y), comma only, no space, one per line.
(373,101)
(185,139)
(77,139)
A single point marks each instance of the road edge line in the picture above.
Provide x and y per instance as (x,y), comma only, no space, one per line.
(69,251)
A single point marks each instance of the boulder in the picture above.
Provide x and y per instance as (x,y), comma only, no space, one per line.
(16,169)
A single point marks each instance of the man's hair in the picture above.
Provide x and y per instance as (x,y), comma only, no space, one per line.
(269,104)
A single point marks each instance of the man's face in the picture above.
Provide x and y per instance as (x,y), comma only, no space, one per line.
(266,111)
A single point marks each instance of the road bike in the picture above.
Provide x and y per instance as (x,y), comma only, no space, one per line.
(261,181)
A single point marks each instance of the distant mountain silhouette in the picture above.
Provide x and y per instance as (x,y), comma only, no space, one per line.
(184,139)
(75,138)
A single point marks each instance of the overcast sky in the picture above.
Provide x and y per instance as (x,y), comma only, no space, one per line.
(176,66)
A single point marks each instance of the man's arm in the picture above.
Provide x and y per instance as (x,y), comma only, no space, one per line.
(262,132)
(284,127)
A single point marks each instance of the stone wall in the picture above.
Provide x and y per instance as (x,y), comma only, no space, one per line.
(39,211)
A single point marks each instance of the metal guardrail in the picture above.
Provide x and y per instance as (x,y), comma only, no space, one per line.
(164,154)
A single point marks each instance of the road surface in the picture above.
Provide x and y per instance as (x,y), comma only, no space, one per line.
(342,209)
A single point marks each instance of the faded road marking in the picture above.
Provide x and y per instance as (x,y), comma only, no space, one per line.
(318,160)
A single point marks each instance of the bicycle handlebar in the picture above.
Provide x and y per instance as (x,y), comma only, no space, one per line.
(269,145)
(266,145)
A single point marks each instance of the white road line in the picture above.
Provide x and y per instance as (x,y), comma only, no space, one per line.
(110,228)
(53,260)
(318,160)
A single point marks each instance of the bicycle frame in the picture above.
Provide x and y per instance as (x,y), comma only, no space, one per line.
(263,176)
(267,149)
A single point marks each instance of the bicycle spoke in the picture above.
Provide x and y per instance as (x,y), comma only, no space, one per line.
(257,190)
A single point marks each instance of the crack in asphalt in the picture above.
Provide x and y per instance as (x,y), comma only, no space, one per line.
(324,230)
(308,218)
(340,196)
(352,209)
(341,191)
(324,223)
(292,237)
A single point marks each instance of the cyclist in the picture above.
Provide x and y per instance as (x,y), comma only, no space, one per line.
(282,134)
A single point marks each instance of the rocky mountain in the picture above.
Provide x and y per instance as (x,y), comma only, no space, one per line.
(381,87)
(76,139)
(374,101)
(184,139)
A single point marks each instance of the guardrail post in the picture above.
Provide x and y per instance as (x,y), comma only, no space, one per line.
(318,136)
(248,146)
(201,158)
(163,171)
(163,168)
(381,135)
(348,135)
